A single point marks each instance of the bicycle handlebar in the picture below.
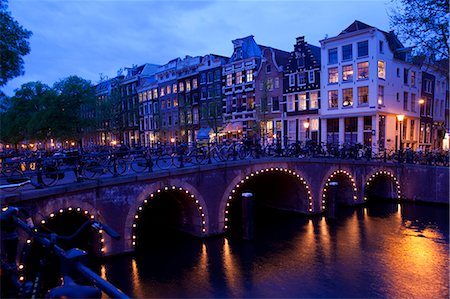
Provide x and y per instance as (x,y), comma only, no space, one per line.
(11,214)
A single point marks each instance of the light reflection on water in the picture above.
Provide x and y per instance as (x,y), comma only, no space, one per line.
(386,250)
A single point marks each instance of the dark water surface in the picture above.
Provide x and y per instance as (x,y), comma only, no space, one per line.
(380,251)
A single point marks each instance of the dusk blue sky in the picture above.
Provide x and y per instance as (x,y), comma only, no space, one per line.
(89,37)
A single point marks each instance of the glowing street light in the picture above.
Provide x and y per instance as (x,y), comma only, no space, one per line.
(400,118)
(306,125)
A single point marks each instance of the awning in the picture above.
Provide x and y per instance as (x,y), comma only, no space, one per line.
(232,127)
(203,133)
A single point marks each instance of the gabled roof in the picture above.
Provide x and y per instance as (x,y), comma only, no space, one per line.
(281,57)
(355,26)
(245,47)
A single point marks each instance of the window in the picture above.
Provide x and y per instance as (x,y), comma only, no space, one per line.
(332,99)
(398,72)
(175,102)
(311,77)
(351,130)
(314,124)
(333,130)
(218,90)
(163,104)
(405,76)
(347,73)
(203,93)
(290,102)
(169,89)
(291,79)
(161,92)
(381,46)
(239,78)
(194,83)
(428,86)
(210,92)
(332,56)
(363,95)
(363,70)
(250,103)
(188,85)
(413,78)
(270,84)
(202,78)
(301,78)
(229,79)
(268,68)
(169,102)
(249,75)
(277,82)
(398,97)
(149,94)
(347,97)
(380,95)
(302,101)
(140,97)
(181,87)
(413,102)
(174,88)
(210,77)
(347,52)
(333,75)
(412,129)
(155,93)
(381,70)
(217,75)
(405,101)
(363,48)
(314,100)
(275,104)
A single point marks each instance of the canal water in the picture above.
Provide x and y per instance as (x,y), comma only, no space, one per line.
(383,250)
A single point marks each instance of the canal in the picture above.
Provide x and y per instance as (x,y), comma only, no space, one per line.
(386,250)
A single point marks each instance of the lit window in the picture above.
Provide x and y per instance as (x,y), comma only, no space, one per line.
(290,102)
(380,95)
(347,97)
(347,73)
(249,75)
(363,95)
(194,83)
(277,82)
(188,85)
(155,93)
(161,92)
(169,89)
(174,88)
(333,75)
(413,78)
(175,102)
(333,99)
(229,79)
(363,70)
(381,70)
(314,100)
(181,86)
(332,56)
(140,97)
(302,101)
(314,124)
(239,78)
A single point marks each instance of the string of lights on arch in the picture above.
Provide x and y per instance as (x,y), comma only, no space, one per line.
(79,210)
(384,173)
(262,171)
(335,173)
(152,195)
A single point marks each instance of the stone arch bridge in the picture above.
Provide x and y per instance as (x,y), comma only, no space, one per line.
(203,194)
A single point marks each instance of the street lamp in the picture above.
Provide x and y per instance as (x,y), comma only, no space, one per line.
(400,118)
(306,125)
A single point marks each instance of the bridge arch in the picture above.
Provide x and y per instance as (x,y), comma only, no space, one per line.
(347,187)
(148,194)
(238,181)
(389,187)
(88,213)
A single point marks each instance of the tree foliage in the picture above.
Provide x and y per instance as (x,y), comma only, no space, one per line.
(39,112)
(424,24)
(13,45)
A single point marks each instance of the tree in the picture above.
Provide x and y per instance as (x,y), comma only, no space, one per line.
(13,45)
(76,108)
(424,24)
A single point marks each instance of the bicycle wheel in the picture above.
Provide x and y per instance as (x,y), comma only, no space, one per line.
(13,177)
(139,164)
(50,175)
(201,156)
(92,169)
(122,166)
(164,161)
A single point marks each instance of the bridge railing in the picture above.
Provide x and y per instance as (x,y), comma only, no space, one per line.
(43,169)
